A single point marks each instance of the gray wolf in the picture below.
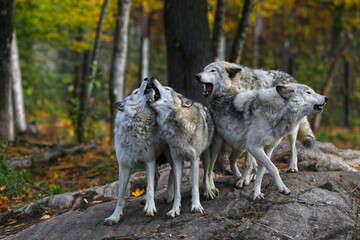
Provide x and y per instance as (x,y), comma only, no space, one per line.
(257,120)
(137,139)
(224,78)
(188,129)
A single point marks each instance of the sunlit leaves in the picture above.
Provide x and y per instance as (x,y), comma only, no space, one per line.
(138,192)
(63,23)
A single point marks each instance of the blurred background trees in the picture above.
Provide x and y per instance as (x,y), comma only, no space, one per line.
(316,41)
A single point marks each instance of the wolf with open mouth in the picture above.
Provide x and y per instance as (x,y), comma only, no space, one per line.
(188,130)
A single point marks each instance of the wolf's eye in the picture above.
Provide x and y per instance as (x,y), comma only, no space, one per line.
(167,89)
(308,92)
(213,70)
(136,92)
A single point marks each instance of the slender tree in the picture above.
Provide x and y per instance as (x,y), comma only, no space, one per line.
(336,52)
(241,33)
(89,79)
(258,38)
(188,44)
(347,90)
(17,88)
(218,28)
(7,12)
(118,60)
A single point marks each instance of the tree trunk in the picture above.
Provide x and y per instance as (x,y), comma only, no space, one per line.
(145,47)
(118,60)
(258,38)
(327,86)
(17,88)
(335,53)
(188,44)
(347,92)
(11,114)
(218,28)
(242,30)
(7,9)
(90,78)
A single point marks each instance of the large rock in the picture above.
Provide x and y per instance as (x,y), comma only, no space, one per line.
(321,205)
(323,157)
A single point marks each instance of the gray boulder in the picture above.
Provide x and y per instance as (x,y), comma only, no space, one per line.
(323,157)
(320,206)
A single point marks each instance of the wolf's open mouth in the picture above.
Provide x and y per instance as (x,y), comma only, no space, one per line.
(208,87)
(154,91)
(319,107)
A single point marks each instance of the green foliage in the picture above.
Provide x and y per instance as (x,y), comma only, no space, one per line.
(38,207)
(12,179)
(57,189)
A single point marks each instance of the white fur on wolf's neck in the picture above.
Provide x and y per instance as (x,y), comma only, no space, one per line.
(135,124)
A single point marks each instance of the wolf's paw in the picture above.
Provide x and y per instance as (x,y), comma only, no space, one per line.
(285,191)
(240,183)
(243,182)
(111,220)
(149,210)
(173,213)
(197,209)
(258,196)
(215,191)
(292,170)
(209,195)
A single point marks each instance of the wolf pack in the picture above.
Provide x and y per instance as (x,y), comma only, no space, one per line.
(249,110)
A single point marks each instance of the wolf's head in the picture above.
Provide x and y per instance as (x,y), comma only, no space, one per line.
(136,98)
(302,98)
(219,78)
(164,99)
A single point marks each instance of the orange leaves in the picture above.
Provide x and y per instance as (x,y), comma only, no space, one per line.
(138,192)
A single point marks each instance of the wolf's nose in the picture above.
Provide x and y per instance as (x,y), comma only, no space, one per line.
(326,99)
(197,77)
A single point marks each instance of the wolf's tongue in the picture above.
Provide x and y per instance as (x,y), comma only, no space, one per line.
(207,88)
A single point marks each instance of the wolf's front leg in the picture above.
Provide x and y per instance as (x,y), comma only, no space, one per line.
(124,175)
(213,153)
(233,164)
(169,196)
(257,194)
(207,185)
(175,211)
(150,208)
(293,153)
(196,206)
(260,155)
(250,171)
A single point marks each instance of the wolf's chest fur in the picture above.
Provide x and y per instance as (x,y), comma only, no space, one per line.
(135,134)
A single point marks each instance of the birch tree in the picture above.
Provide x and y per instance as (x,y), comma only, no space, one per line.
(118,60)
(17,88)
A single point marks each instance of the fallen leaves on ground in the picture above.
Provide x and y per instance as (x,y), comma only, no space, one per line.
(138,192)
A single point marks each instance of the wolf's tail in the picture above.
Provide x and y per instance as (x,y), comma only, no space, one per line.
(305,134)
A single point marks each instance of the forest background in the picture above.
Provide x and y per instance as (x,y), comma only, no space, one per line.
(64,83)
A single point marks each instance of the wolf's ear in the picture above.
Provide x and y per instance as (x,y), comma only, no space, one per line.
(185,102)
(284,92)
(232,71)
(120,105)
